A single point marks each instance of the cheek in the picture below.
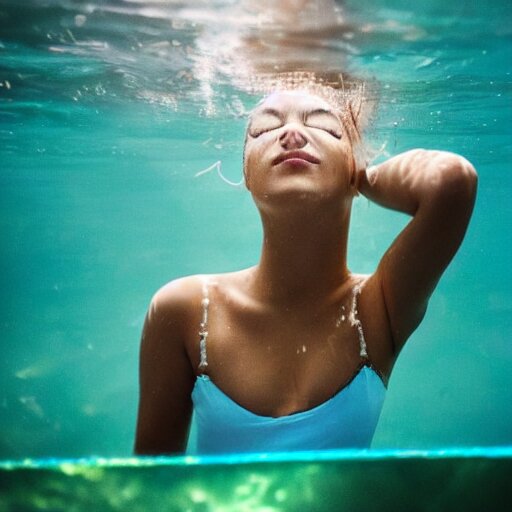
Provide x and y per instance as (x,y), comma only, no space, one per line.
(251,162)
(256,151)
(342,165)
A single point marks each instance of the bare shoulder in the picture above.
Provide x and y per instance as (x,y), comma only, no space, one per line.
(173,314)
(181,298)
(177,296)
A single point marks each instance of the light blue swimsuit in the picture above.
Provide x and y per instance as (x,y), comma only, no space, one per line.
(347,420)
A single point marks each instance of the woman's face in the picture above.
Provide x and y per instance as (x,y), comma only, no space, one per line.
(297,148)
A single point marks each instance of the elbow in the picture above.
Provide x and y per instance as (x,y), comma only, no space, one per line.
(456,178)
(460,175)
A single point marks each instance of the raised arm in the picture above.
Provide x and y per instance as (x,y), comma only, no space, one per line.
(438,189)
(166,377)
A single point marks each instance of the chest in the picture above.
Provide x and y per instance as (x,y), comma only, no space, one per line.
(280,363)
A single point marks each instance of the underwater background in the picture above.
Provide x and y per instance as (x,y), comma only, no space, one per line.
(109,109)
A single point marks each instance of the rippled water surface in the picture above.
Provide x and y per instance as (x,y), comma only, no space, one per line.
(109,109)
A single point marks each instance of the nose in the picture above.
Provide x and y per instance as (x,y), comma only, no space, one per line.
(291,138)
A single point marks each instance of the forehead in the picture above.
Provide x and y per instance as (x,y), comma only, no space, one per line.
(292,100)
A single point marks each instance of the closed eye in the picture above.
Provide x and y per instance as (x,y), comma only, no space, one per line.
(318,119)
(324,120)
(254,133)
(264,122)
(335,133)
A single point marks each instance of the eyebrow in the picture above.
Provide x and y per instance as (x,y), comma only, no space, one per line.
(270,111)
(323,111)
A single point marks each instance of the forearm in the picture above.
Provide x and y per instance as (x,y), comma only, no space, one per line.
(419,178)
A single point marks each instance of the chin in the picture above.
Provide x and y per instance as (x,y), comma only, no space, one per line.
(301,196)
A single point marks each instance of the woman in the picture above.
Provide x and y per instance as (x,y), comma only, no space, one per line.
(295,353)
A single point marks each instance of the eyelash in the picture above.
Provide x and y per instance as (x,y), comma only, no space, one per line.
(331,132)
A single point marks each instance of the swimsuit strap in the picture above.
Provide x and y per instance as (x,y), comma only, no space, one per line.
(355,322)
(203,329)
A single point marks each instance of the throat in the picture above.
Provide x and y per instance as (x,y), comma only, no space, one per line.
(310,262)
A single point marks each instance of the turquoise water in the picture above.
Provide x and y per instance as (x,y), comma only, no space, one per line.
(107,112)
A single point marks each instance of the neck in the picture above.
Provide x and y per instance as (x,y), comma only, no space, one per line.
(304,254)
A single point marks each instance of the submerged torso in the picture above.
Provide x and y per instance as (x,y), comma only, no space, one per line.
(255,395)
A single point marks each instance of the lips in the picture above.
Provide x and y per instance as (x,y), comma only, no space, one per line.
(295,155)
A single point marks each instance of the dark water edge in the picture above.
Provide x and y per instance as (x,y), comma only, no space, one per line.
(352,480)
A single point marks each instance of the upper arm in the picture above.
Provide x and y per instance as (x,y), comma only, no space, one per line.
(166,377)
(410,269)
